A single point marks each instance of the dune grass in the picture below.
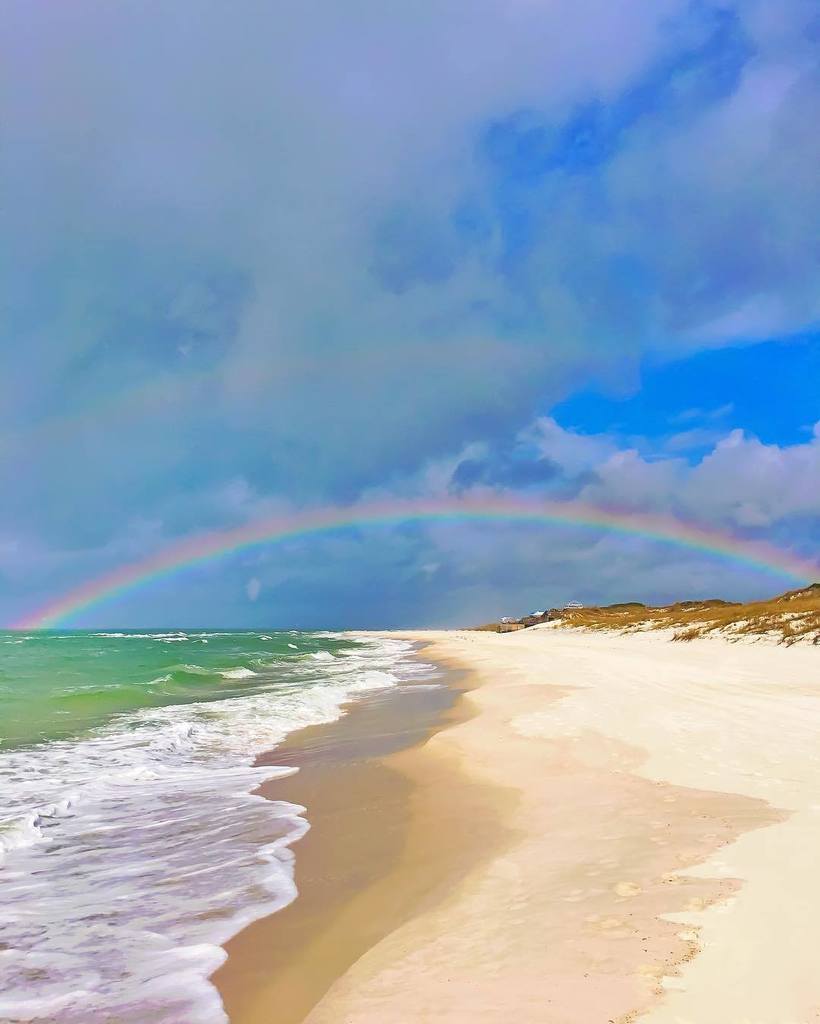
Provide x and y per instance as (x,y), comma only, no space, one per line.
(793,617)
(790,618)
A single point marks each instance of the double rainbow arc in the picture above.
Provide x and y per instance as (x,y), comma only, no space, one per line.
(214,544)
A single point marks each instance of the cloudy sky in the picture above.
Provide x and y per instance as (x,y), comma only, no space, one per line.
(261,257)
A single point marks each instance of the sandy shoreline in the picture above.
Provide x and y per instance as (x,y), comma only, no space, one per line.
(386,838)
(657,808)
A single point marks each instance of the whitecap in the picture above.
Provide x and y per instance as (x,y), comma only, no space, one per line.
(140,636)
(195,670)
(112,845)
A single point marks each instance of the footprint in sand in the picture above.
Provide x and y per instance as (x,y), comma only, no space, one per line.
(628,889)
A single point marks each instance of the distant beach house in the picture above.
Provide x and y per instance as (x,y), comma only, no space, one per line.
(572,604)
(509,625)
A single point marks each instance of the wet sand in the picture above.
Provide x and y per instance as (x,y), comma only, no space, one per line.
(608,829)
(388,835)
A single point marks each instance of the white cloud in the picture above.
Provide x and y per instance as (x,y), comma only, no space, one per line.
(574,452)
(739,482)
(694,414)
(686,440)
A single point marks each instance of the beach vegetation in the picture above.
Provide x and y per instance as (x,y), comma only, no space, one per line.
(789,618)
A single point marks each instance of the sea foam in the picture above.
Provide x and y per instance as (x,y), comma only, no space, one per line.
(133,854)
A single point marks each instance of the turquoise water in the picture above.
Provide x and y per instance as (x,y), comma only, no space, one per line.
(57,684)
(132,843)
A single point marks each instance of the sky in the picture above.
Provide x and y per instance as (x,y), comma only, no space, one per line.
(261,258)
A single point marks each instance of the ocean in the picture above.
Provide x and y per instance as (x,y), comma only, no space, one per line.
(131,842)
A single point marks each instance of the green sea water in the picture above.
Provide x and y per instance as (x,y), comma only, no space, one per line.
(133,842)
(56,684)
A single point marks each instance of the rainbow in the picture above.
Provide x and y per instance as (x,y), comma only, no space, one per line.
(488,508)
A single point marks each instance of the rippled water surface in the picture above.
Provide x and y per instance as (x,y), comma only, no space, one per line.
(131,843)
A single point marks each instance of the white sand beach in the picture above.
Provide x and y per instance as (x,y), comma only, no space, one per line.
(662,813)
